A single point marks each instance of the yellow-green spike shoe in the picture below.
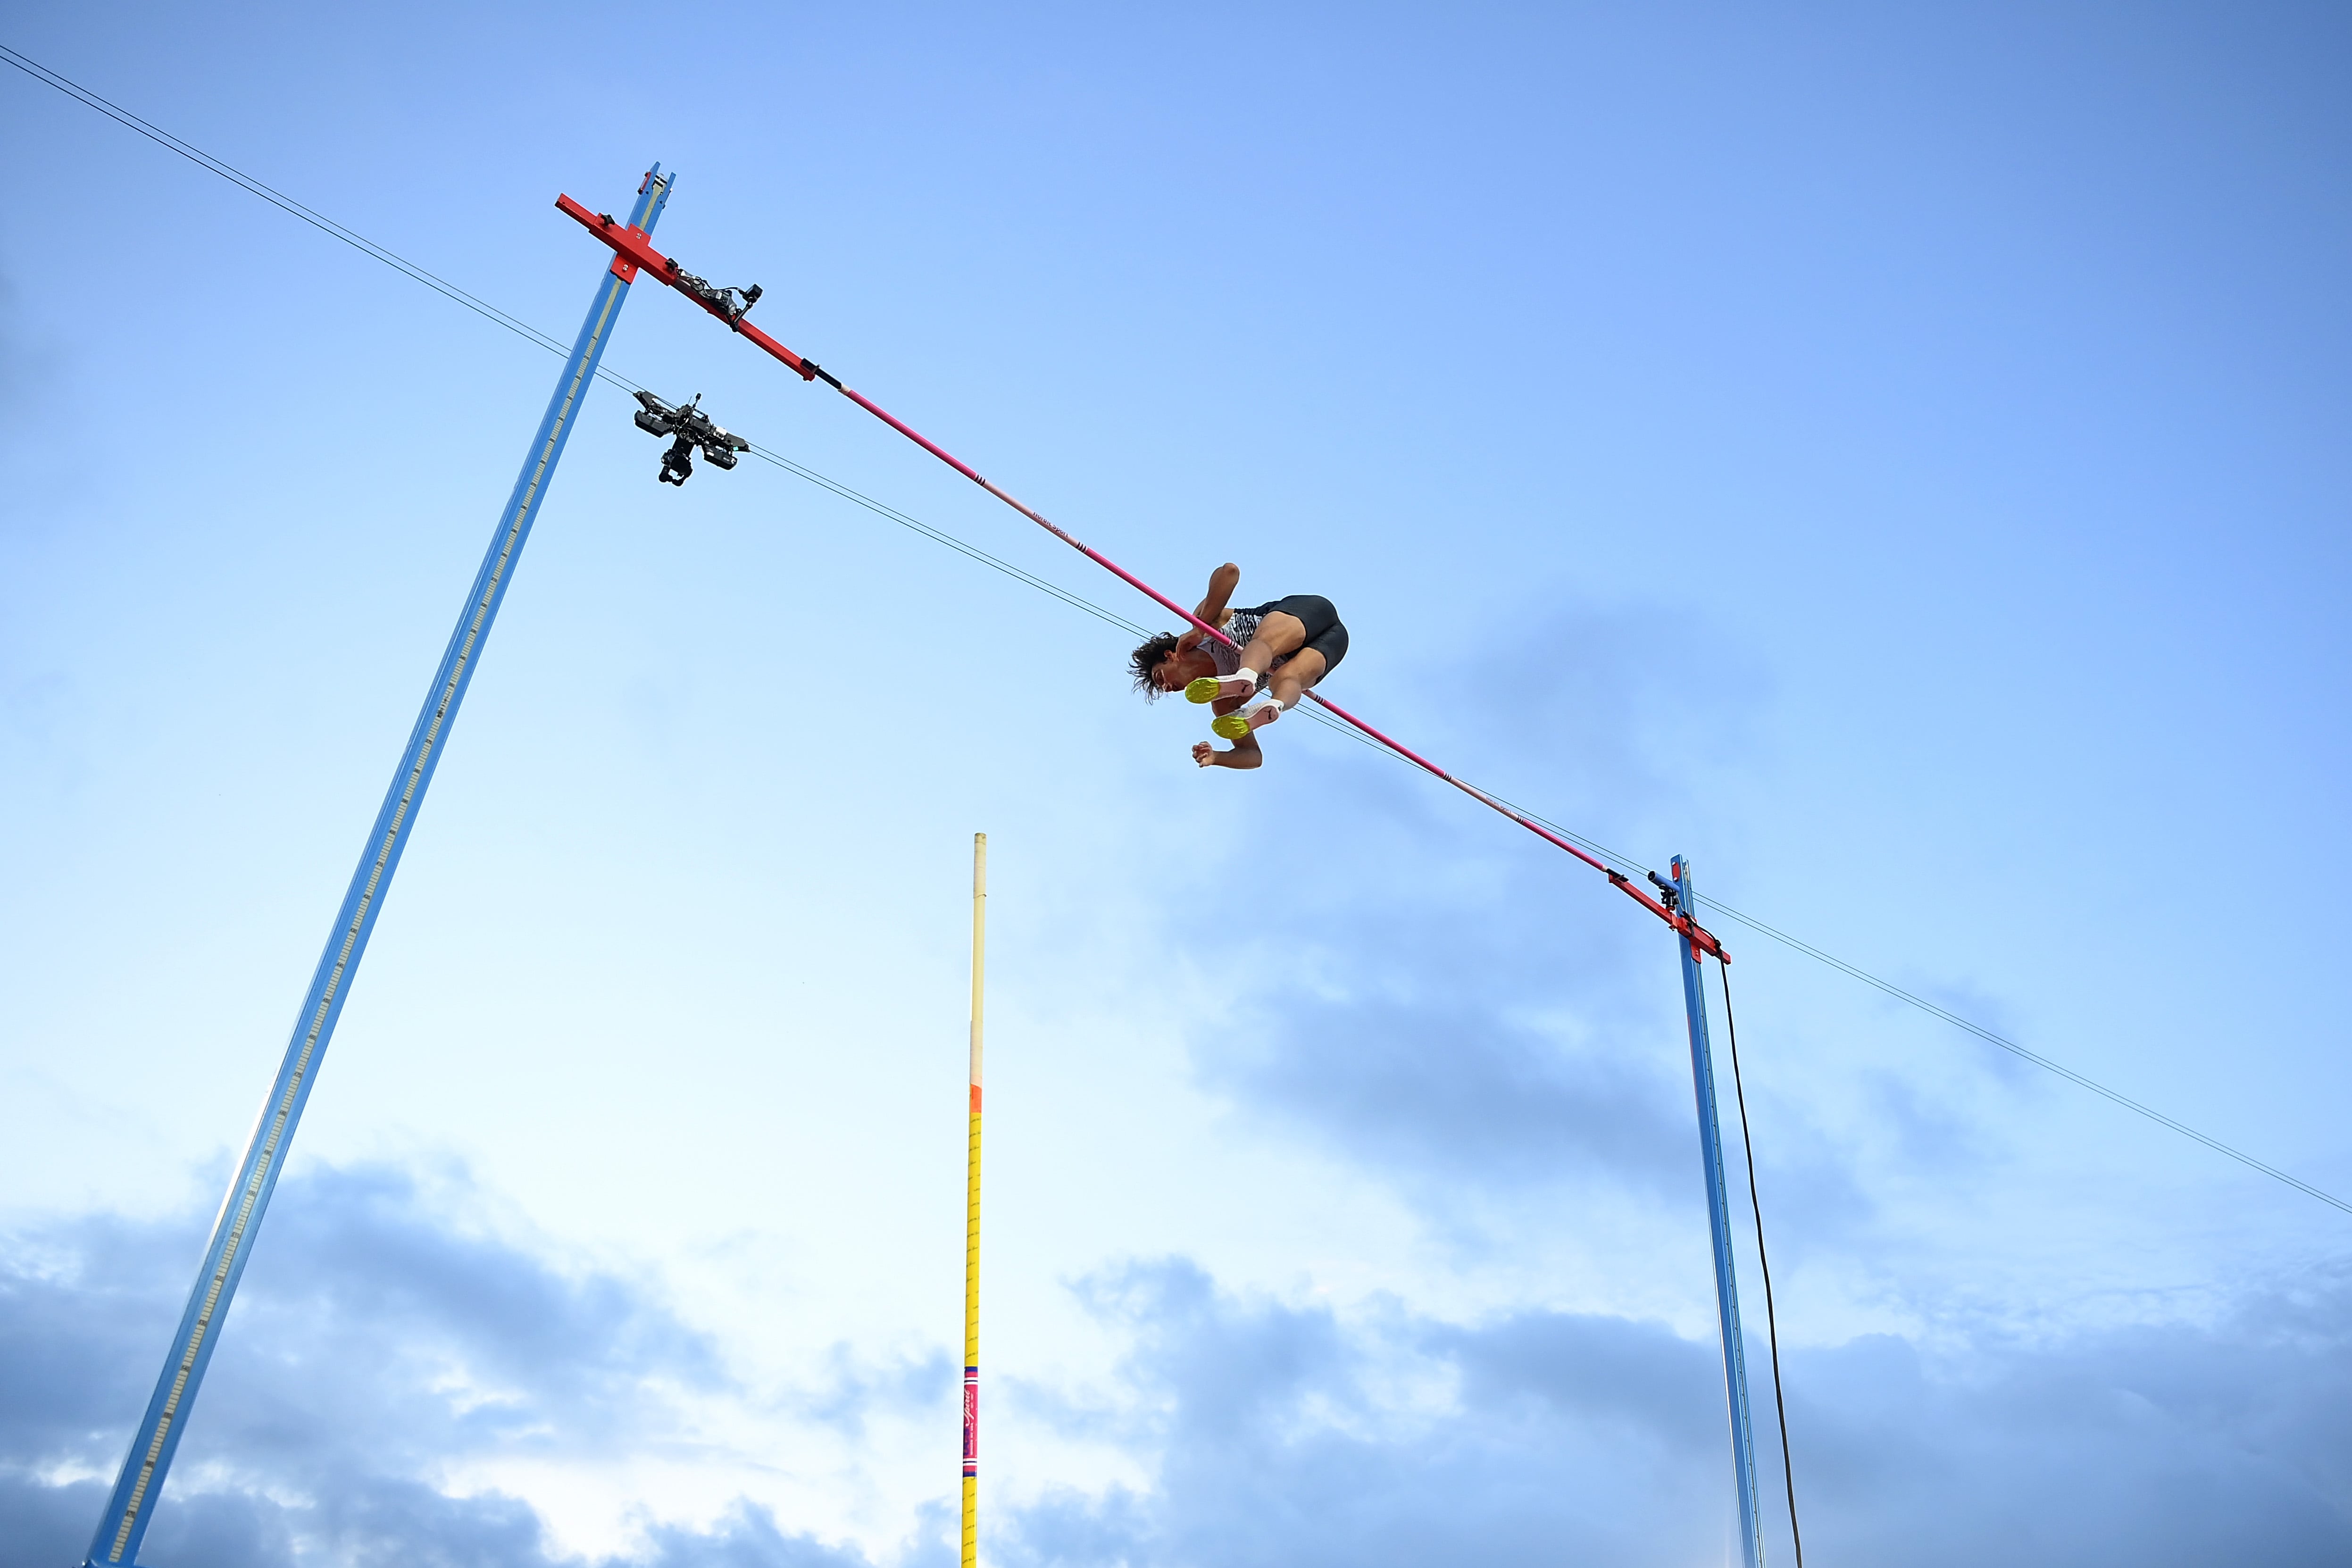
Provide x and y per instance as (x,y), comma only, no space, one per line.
(1231,726)
(1202,691)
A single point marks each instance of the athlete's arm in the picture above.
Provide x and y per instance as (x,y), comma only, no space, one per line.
(1245,754)
(1221,583)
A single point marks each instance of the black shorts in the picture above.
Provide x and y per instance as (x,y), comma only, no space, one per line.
(1325,634)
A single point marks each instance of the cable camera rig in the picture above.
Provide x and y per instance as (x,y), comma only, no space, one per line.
(691,427)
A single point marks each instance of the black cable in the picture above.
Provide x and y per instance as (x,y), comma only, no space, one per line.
(1756,1206)
(524,329)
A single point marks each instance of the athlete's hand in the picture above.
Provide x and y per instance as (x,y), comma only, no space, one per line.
(1204,753)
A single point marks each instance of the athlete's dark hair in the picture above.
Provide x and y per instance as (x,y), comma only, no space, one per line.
(1145,659)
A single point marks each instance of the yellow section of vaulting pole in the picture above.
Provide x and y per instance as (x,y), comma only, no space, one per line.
(971,1217)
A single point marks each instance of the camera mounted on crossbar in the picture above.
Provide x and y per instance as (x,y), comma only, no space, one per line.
(729,304)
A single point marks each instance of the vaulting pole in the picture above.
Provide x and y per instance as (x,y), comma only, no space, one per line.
(971,1215)
(131,1504)
(1718,1219)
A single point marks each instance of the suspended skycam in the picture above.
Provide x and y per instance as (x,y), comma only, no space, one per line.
(693,429)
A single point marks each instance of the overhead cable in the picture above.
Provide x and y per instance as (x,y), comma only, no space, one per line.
(532,334)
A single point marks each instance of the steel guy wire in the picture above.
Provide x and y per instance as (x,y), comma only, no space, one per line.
(524,329)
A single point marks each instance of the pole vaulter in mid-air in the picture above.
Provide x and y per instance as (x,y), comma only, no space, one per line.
(1263,662)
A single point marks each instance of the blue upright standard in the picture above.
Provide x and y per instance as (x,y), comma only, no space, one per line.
(1718,1224)
(133,1504)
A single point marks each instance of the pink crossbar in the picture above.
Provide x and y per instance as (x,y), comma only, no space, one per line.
(632,249)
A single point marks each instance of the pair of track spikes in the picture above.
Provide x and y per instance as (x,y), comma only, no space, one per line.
(1235,725)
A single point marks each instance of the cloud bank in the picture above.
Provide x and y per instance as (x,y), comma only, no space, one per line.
(382,1346)
(373,1350)
(1287,1436)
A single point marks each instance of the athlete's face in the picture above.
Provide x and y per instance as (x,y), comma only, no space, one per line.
(1175,669)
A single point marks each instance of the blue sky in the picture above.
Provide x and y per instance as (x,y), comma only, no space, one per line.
(1893,457)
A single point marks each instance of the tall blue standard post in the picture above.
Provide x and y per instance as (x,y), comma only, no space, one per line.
(1718,1219)
(133,1502)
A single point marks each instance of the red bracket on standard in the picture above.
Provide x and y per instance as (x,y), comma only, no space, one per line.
(1702,939)
(633,250)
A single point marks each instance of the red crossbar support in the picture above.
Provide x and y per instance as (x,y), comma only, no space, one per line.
(633,252)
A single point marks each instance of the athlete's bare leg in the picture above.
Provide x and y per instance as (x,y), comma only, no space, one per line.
(1287,686)
(1278,633)
(1291,681)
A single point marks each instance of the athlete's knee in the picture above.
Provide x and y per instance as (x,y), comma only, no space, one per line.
(1304,670)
